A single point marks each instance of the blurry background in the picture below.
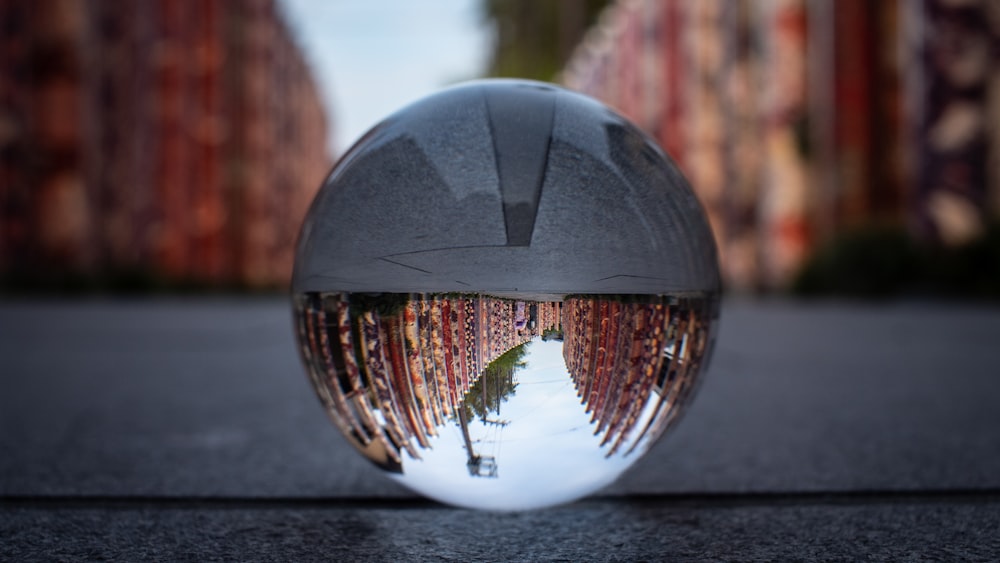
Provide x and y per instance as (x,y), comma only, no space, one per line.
(845,147)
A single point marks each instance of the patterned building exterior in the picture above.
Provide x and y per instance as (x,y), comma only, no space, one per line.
(796,120)
(181,139)
(392,374)
(634,363)
(953,85)
(390,379)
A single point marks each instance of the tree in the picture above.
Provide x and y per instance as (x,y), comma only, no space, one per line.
(535,39)
(496,384)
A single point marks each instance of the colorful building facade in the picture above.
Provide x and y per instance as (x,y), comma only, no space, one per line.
(391,378)
(634,363)
(796,120)
(179,139)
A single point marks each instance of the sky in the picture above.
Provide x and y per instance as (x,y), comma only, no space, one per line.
(547,453)
(374,57)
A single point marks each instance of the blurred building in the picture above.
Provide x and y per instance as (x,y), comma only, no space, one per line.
(182,140)
(797,120)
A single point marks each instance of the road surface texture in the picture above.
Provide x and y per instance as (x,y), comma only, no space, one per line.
(177,429)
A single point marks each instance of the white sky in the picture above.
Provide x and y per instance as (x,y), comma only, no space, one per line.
(373,57)
(547,454)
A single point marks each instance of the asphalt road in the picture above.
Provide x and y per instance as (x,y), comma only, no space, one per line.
(169,428)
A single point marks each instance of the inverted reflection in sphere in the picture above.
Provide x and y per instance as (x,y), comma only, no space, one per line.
(504,294)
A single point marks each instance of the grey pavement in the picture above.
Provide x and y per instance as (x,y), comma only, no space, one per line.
(587,531)
(186,428)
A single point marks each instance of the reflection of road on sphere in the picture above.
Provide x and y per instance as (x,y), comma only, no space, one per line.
(498,402)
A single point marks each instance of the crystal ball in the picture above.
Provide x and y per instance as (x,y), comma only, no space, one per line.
(504,294)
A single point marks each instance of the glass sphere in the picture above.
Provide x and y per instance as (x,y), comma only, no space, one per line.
(504,294)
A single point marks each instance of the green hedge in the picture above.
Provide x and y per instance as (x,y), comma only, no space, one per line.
(883,261)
